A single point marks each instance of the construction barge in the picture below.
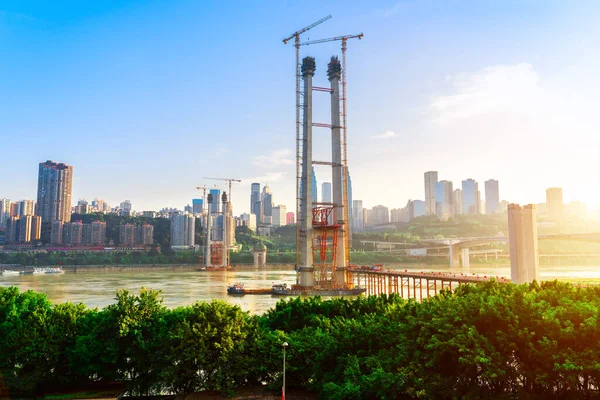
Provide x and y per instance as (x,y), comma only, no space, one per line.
(284,290)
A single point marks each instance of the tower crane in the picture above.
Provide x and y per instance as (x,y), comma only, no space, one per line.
(296,36)
(344,40)
(203,188)
(228,180)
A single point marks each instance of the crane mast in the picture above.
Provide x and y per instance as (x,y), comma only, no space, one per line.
(296,36)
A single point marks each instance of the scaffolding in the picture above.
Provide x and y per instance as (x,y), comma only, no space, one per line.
(324,246)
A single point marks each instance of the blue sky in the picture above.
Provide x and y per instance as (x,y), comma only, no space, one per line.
(144,98)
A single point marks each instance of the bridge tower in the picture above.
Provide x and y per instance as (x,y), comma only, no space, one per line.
(323,252)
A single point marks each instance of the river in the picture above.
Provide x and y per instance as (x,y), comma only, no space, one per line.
(97,288)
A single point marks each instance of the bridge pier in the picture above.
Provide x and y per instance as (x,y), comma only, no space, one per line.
(523,239)
(465,257)
(453,250)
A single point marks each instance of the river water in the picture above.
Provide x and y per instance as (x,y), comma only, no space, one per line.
(97,288)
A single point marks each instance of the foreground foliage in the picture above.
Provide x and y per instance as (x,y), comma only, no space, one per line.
(486,341)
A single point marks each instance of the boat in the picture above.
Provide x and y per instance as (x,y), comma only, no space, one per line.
(48,270)
(281,289)
(236,288)
(9,272)
(239,289)
(201,269)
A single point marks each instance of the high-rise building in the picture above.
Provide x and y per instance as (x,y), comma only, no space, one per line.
(444,199)
(326,192)
(314,186)
(4,211)
(397,215)
(419,209)
(36,227)
(12,230)
(25,207)
(357,214)
(97,233)
(267,206)
(127,235)
(146,234)
(56,233)
(554,200)
(73,233)
(249,220)
(279,215)
(431,178)
(350,205)
(197,206)
(470,194)
(492,197)
(183,230)
(188,209)
(379,215)
(215,206)
(126,205)
(289,218)
(457,201)
(24,229)
(254,196)
(55,186)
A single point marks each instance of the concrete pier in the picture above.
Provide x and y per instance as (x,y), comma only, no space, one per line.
(306,268)
(334,70)
(523,240)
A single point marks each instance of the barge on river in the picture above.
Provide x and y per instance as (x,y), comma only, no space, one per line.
(283,290)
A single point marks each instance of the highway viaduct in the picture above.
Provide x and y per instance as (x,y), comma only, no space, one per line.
(459,248)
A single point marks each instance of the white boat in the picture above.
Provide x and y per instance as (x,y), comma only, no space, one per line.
(9,272)
(48,270)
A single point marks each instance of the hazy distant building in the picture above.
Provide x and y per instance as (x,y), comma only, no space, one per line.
(457,201)
(183,230)
(55,186)
(97,233)
(419,208)
(254,195)
(326,192)
(279,214)
(188,209)
(197,206)
(431,178)
(289,218)
(470,194)
(554,200)
(379,215)
(24,207)
(36,227)
(492,197)
(144,235)
(267,206)
(397,215)
(249,220)
(357,215)
(444,199)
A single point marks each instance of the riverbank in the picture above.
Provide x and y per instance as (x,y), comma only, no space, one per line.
(152,267)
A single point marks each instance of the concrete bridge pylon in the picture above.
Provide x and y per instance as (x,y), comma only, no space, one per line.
(523,240)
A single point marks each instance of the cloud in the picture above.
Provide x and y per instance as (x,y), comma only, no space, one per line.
(267,178)
(384,135)
(275,159)
(495,89)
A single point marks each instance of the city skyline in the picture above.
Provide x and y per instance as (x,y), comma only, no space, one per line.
(127,93)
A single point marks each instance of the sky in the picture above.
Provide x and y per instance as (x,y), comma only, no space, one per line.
(146,98)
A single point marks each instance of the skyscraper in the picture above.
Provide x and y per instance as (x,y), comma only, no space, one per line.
(470,194)
(289,218)
(431,178)
(279,214)
(267,205)
(554,201)
(215,207)
(444,199)
(457,202)
(183,230)
(197,206)
(55,186)
(357,213)
(4,211)
(492,197)
(254,196)
(326,192)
